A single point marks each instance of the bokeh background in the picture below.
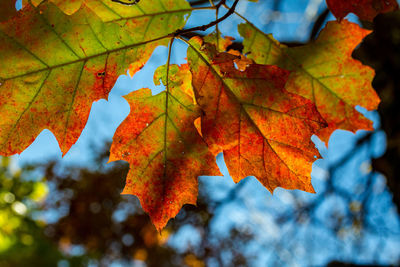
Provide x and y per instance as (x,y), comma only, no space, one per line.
(69,212)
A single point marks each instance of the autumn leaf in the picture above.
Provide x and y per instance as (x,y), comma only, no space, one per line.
(177,75)
(262,129)
(54,66)
(163,148)
(323,72)
(69,7)
(260,108)
(364,9)
(7,9)
(220,42)
(99,7)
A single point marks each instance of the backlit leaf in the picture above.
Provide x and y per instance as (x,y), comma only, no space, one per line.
(102,8)
(322,71)
(163,148)
(222,43)
(54,66)
(262,129)
(69,7)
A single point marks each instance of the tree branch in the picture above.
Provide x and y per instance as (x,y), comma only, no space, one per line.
(211,24)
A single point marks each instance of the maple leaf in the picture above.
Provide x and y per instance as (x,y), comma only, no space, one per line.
(162,146)
(59,56)
(69,7)
(54,66)
(100,7)
(364,9)
(262,129)
(322,71)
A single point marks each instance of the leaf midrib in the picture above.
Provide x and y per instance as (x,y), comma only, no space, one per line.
(85,58)
(298,65)
(106,52)
(247,115)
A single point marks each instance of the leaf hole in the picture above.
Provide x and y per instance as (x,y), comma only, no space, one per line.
(101,74)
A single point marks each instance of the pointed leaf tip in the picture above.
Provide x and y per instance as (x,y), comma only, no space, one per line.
(323,72)
(263,130)
(165,152)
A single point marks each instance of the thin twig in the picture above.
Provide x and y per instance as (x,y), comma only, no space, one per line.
(216,27)
(211,24)
(166,103)
(125,3)
(239,15)
(198,2)
(179,32)
(169,62)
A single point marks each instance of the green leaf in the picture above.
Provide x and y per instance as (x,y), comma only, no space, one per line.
(54,66)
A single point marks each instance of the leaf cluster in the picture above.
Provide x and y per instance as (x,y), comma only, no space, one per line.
(259,106)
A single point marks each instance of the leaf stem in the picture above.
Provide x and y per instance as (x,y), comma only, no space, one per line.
(168,62)
(239,15)
(166,103)
(216,28)
(183,40)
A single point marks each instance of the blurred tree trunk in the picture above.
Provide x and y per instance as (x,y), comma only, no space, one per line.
(381,50)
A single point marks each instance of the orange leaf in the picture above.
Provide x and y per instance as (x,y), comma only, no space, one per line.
(322,71)
(364,9)
(262,129)
(165,152)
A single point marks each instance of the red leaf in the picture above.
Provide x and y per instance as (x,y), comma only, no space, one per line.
(324,72)
(165,152)
(262,129)
(364,9)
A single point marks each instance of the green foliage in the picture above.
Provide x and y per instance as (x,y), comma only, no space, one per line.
(22,237)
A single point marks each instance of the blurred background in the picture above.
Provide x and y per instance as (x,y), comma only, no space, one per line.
(69,212)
